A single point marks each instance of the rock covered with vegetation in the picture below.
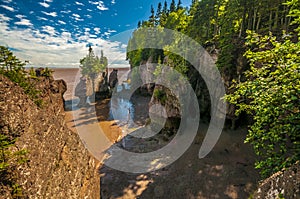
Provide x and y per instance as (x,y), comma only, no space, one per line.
(41,157)
(256,48)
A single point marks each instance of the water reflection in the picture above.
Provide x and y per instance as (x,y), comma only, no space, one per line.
(121,109)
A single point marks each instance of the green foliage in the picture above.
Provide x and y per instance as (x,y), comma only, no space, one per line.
(92,65)
(13,68)
(32,73)
(160,95)
(47,72)
(295,13)
(219,23)
(272,95)
(9,161)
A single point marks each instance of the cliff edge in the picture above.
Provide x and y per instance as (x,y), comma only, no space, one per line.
(58,165)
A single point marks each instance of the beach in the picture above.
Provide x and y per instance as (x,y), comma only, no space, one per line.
(226,172)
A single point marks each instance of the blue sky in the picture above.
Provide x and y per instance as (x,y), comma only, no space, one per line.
(55,33)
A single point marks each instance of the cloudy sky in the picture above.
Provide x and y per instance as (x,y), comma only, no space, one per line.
(55,33)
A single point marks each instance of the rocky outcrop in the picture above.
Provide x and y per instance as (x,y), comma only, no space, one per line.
(113,79)
(284,184)
(58,164)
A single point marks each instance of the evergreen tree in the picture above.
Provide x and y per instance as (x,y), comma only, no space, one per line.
(221,26)
(173,6)
(179,5)
(152,20)
(158,14)
(165,8)
(164,14)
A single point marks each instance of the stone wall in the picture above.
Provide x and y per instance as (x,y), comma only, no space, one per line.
(58,164)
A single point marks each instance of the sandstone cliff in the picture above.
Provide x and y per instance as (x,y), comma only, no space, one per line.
(58,164)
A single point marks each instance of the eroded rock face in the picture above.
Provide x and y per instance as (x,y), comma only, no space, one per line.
(285,184)
(113,79)
(59,166)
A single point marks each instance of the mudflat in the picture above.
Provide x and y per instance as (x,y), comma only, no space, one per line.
(227,172)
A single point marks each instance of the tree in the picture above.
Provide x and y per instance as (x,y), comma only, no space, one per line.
(165,8)
(271,94)
(152,20)
(173,6)
(8,61)
(13,68)
(295,13)
(179,5)
(91,65)
(158,14)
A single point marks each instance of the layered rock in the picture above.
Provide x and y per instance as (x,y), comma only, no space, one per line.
(58,164)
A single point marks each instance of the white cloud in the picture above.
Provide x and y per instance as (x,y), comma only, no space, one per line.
(7,1)
(20,16)
(42,18)
(50,30)
(54,49)
(4,18)
(44,4)
(53,14)
(78,19)
(97,30)
(8,8)
(24,22)
(66,11)
(66,36)
(113,1)
(78,3)
(108,33)
(62,22)
(94,3)
(49,1)
(100,5)
(76,15)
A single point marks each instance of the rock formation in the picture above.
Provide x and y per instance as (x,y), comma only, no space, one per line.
(58,164)
(283,184)
(113,79)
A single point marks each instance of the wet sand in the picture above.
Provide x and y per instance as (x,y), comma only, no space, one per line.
(227,172)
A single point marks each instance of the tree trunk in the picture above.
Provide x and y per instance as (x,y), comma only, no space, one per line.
(242,23)
(258,23)
(276,18)
(254,19)
(270,21)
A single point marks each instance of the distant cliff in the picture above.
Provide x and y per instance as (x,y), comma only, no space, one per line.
(58,165)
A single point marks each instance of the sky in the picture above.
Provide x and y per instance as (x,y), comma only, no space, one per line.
(56,33)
